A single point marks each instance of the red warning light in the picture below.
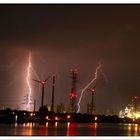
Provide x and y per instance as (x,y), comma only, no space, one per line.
(75,71)
(135,97)
(73,95)
(43,82)
(92,90)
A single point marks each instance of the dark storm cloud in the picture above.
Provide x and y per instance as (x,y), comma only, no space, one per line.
(62,37)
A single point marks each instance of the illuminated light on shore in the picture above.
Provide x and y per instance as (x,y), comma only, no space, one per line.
(68,117)
(56,119)
(32,114)
(137,115)
(47,117)
(95,118)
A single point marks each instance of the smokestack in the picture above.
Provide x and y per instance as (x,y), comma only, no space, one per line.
(53,86)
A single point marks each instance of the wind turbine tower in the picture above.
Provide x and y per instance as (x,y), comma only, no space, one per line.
(42,82)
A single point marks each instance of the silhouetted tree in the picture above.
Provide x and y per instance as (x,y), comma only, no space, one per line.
(8,111)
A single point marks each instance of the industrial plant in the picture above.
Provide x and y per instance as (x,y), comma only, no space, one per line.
(52,112)
(47,113)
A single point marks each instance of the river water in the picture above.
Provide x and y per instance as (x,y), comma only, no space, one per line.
(70,129)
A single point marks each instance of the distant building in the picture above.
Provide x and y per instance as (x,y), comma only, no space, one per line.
(49,107)
(132,110)
(110,112)
(60,108)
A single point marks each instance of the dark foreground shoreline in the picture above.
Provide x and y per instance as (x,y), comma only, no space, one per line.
(9,116)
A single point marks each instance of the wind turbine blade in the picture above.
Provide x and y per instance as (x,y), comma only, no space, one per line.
(89,89)
(47,78)
(37,81)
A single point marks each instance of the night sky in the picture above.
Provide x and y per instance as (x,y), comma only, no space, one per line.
(64,37)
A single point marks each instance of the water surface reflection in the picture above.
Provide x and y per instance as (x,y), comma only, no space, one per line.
(133,130)
(70,129)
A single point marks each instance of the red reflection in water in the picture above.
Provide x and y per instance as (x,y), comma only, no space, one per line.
(93,127)
(27,129)
(42,130)
(71,129)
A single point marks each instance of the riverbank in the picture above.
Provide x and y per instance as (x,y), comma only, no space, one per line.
(15,116)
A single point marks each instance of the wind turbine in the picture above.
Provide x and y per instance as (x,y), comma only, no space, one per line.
(42,82)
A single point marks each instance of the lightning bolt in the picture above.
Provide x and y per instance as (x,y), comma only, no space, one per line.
(94,79)
(28,77)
